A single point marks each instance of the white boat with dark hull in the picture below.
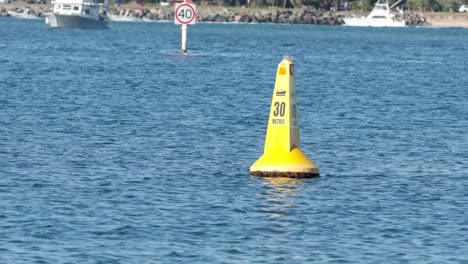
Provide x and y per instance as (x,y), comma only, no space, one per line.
(76,14)
(380,16)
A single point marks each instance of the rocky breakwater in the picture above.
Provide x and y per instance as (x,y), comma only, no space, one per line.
(300,16)
(245,15)
(411,18)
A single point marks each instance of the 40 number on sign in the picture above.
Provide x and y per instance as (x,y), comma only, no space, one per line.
(185,14)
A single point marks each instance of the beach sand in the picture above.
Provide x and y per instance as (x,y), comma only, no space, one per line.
(444,20)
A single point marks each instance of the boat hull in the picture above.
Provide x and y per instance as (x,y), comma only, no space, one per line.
(74,21)
(365,22)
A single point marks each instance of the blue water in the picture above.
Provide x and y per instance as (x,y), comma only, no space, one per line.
(114,148)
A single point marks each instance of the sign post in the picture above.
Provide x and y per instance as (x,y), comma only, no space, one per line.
(184,14)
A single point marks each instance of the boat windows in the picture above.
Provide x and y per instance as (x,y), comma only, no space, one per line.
(379,17)
(66,7)
(86,11)
(76,8)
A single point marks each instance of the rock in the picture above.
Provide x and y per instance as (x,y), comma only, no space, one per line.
(258,16)
(221,19)
(274,14)
(292,19)
(415,19)
(151,16)
(266,13)
(308,19)
(339,20)
(318,21)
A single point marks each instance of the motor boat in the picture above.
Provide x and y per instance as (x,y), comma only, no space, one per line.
(380,16)
(76,14)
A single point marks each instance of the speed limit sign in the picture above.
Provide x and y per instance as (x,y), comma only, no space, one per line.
(184,14)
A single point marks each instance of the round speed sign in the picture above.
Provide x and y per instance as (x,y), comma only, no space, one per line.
(184,14)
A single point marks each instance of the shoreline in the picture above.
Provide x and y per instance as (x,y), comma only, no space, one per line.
(434,20)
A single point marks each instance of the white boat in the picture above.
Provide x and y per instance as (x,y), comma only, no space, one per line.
(123,18)
(26,14)
(380,16)
(76,14)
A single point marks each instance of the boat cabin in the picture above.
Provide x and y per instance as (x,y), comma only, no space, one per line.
(76,7)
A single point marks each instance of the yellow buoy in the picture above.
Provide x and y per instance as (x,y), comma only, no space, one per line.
(282,156)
